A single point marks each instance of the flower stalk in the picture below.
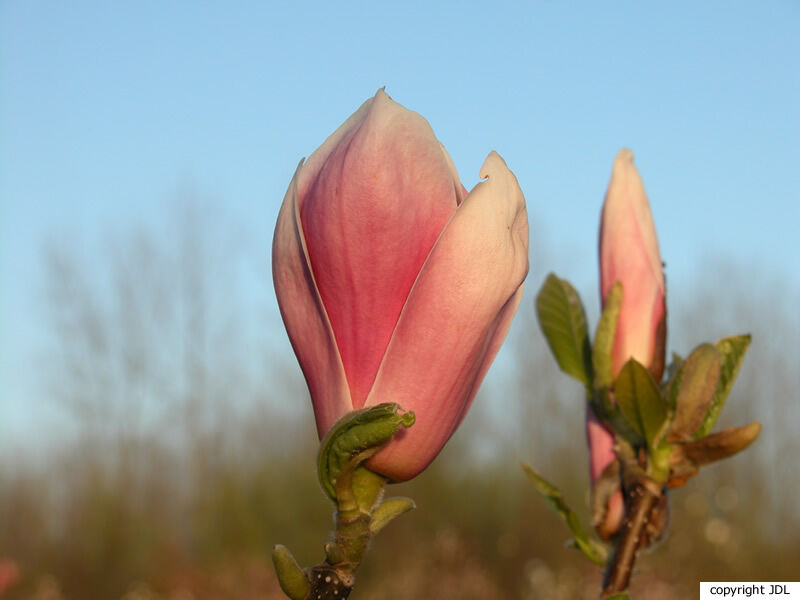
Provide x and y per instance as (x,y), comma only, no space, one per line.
(385,267)
(641,502)
(357,493)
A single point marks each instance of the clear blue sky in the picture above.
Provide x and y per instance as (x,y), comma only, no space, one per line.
(108,108)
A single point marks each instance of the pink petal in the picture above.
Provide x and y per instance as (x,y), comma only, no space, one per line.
(455,319)
(601,445)
(615,512)
(373,201)
(601,454)
(305,317)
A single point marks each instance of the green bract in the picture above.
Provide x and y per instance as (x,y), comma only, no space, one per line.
(354,438)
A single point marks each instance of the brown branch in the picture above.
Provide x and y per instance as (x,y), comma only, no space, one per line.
(643,499)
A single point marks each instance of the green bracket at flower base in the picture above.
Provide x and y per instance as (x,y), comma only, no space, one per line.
(354,438)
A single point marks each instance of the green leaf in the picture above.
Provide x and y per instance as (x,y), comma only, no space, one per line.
(291,577)
(699,377)
(354,438)
(732,350)
(604,338)
(607,410)
(640,401)
(388,510)
(594,550)
(563,323)
(674,365)
(672,386)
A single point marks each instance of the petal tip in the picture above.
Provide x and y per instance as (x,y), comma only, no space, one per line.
(625,155)
(382,95)
(493,163)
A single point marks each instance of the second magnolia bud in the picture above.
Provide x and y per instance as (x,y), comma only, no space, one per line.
(628,254)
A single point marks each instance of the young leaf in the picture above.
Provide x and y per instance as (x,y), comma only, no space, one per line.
(640,401)
(732,350)
(594,550)
(563,323)
(698,382)
(687,457)
(388,510)
(604,338)
(291,577)
(607,410)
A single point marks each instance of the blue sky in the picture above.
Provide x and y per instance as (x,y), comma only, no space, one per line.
(108,109)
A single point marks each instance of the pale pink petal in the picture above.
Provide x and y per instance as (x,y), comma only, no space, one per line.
(602,454)
(454,320)
(601,445)
(629,254)
(343,134)
(305,317)
(495,339)
(615,512)
(459,189)
(372,206)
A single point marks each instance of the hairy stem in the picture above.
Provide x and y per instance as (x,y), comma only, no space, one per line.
(643,499)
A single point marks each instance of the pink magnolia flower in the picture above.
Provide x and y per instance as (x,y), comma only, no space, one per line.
(628,254)
(394,283)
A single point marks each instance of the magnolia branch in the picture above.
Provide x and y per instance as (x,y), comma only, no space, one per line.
(644,498)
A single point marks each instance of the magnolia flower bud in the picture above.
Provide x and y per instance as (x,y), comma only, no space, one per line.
(628,254)
(394,283)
